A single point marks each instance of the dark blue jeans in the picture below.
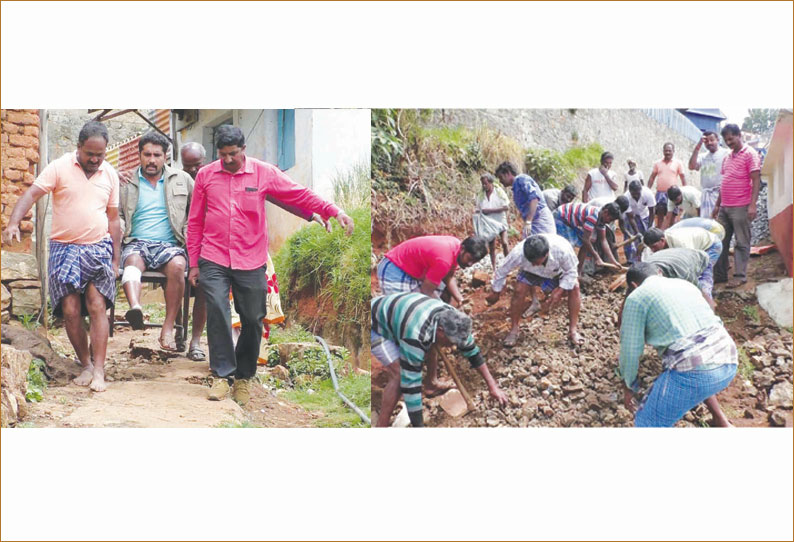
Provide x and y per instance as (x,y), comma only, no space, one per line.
(249,292)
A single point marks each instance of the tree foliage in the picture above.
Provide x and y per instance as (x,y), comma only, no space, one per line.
(760,121)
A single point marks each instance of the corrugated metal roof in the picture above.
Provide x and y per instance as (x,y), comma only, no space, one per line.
(716,113)
(124,155)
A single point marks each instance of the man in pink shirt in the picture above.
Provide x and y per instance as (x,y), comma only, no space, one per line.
(227,248)
(736,205)
(84,244)
(427,264)
(668,170)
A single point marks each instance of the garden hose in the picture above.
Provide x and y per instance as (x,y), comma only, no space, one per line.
(347,401)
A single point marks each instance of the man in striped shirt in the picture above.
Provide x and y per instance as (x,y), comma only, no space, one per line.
(699,358)
(405,329)
(735,208)
(577,222)
(546,261)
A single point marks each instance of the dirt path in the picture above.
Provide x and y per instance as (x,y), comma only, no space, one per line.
(552,384)
(151,391)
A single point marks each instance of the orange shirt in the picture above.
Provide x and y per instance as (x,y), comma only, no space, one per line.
(79,205)
(667,174)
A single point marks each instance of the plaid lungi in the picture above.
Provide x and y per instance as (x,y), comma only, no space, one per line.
(573,235)
(72,267)
(384,350)
(696,367)
(155,254)
(546,284)
(394,280)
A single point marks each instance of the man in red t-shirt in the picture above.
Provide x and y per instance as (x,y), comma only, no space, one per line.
(427,264)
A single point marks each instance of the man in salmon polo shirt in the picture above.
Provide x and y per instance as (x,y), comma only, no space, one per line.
(735,208)
(667,170)
(427,264)
(227,248)
(84,244)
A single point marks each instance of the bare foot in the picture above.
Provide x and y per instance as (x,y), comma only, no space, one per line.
(98,382)
(511,339)
(437,387)
(84,379)
(575,338)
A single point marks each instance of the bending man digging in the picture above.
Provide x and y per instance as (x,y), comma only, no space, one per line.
(546,261)
(405,327)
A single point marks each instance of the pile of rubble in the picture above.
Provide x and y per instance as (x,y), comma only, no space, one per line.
(759,229)
(552,384)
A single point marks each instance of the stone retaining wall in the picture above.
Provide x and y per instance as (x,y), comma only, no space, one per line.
(624,132)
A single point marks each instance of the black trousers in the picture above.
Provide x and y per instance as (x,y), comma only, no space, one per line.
(249,290)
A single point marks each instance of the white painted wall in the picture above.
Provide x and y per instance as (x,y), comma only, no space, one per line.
(340,140)
(778,169)
(326,141)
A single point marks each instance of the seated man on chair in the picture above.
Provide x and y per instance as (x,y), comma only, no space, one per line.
(154,206)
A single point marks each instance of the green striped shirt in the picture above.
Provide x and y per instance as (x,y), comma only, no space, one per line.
(410,320)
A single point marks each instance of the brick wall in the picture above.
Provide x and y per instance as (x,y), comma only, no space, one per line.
(20,157)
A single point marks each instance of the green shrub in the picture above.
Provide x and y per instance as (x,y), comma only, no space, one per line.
(332,267)
(37,381)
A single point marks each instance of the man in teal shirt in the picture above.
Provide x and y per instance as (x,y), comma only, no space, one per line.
(698,356)
(154,205)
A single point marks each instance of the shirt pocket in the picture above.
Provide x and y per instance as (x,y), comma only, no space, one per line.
(179,195)
(250,199)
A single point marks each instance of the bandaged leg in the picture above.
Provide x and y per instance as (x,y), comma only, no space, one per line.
(131,274)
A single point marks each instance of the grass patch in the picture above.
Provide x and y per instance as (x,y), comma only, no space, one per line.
(237,425)
(352,187)
(751,312)
(323,398)
(37,382)
(29,321)
(293,333)
(746,367)
(555,169)
(332,267)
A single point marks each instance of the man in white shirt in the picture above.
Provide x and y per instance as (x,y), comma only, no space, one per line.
(600,182)
(548,261)
(710,166)
(633,174)
(682,202)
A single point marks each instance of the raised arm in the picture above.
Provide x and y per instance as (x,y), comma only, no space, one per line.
(288,191)
(605,172)
(694,164)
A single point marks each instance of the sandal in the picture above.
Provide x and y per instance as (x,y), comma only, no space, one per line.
(134,318)
(196,354)
(168,346)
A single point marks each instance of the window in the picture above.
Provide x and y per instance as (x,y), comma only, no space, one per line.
(286,139)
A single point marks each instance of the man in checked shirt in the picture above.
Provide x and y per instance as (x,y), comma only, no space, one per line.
(699,358)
